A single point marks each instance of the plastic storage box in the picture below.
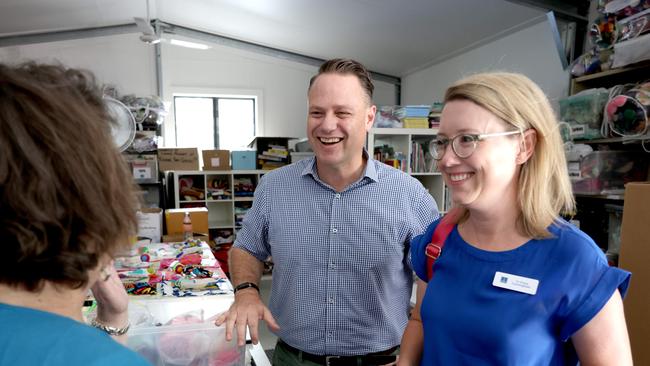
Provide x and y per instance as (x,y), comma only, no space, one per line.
(243,160)
(606,172)
(186,334)
(200,344)
(584,112)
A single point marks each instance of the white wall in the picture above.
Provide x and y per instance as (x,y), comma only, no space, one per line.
(280,83)
(129,64)
(530,51)
(121,60)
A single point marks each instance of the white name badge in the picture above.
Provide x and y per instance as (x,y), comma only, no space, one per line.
(515,283)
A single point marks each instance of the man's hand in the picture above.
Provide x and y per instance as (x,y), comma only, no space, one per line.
(247,310)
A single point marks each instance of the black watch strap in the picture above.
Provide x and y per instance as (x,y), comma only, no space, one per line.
(245,285)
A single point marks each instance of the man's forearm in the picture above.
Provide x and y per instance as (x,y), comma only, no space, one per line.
(244,267)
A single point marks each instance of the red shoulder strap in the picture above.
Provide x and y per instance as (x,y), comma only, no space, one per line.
(434,248)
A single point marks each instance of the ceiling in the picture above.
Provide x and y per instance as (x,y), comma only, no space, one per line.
(393,37)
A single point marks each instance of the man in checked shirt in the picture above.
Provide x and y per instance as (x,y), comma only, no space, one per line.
(338,227)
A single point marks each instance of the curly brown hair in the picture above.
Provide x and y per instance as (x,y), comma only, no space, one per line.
(67,196)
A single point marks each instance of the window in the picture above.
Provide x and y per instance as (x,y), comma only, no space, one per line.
(214,122)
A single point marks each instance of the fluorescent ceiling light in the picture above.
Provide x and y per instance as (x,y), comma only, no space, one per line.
(199,46)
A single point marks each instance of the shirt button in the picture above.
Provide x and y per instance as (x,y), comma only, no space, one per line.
(330,334)
(338,195)
(335,230)
(330,300)
(332,265)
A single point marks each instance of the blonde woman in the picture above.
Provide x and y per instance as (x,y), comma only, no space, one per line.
(515,284)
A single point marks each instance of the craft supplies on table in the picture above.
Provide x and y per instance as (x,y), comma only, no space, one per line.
(176,291)
(172,269)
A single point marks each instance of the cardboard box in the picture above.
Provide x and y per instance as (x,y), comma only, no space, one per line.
(150,224)
(216,159)
(634,256)
(243,160)
(174,220)
(178,159)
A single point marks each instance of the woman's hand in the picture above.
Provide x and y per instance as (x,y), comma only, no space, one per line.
(112,300)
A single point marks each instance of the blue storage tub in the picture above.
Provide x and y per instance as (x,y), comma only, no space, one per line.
(243,160)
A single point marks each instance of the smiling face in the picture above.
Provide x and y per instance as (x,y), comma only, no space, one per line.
(489,176)
(340,115)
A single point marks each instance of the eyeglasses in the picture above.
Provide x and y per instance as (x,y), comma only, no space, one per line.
(463,144)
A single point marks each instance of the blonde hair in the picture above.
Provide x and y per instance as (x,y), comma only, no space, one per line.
(544,190)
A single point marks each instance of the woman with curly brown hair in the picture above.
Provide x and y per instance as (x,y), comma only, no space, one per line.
(67,208)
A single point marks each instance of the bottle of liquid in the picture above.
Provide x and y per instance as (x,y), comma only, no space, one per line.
(187,227)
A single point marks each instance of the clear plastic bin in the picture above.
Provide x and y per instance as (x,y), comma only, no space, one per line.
(606,172)
(584,112)
(201,344)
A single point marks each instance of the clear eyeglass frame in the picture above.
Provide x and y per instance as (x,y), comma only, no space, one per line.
(463,144)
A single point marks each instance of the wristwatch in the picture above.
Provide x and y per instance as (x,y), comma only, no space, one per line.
(245,285)
(110,330)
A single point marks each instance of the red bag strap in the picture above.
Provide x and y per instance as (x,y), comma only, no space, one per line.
(440,234)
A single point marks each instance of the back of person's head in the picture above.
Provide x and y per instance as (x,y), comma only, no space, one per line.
(347,67)
(544,186)
(67,197)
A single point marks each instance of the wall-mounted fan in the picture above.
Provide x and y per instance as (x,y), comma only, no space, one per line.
(123,128)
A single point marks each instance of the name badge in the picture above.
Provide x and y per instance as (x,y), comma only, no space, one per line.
(515,283)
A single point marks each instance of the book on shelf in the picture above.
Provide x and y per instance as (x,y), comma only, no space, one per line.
(277,151)
(421,161)
(270,157)
(415,122)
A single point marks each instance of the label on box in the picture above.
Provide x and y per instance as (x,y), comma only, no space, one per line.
(574,169)
(215,161)
(150,224)
(577,130)
(141,172)
(178,159)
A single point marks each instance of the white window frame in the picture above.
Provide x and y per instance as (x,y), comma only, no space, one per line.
(169,128)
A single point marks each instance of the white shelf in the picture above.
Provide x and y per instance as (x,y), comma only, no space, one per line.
(425,173)
(221,212)
(220,172)
(220,225)
(401,139)
(404,131)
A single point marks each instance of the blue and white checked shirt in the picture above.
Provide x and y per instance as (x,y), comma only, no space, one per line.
(342,276)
